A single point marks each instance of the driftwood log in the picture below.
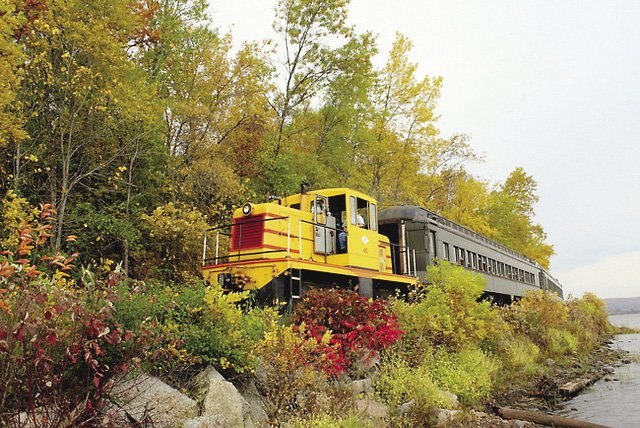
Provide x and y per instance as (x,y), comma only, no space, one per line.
(545,419)
(570,389)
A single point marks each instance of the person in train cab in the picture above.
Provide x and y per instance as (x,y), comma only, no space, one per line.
(342,238)
(360,221)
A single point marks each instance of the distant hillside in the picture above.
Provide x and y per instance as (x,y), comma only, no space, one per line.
(629,305)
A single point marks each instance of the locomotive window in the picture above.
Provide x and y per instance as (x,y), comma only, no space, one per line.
(469,258)
(490,266)
(445,248)
(359,212)
(475,260)
(373,219)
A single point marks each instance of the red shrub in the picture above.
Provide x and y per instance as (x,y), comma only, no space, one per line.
(60,348)
(360,327)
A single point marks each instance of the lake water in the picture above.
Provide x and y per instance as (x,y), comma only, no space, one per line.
(615,403)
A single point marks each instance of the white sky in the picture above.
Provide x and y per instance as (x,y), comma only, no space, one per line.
(552,86)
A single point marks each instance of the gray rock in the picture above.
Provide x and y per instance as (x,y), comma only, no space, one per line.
(372,409)
(222,403)
(257,413)
(203,422)
(445,416)
(405,407)
(361,386)
(149,400)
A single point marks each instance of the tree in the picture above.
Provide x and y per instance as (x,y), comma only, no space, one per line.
(402,125)
(307,28)
(79,88)
(510,214)
(12,23)
(214,105)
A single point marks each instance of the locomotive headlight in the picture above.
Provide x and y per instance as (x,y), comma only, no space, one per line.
(247,208)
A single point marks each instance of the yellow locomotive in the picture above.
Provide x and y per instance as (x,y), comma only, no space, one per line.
(319,238)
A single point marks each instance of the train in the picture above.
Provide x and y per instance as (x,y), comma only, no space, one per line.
(338,237)
(433,238)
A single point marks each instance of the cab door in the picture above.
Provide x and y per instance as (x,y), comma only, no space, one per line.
(324,226)
(362,234)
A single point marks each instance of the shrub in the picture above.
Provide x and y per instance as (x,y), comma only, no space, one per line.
(61,349)
(291,368)
(398,383)
(205,324)
(330,421)
(519,355)
(589,320)
(446,312)
(359,327)
(172,233)
(468,373)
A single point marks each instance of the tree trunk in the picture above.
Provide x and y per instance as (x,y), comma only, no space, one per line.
(545,419)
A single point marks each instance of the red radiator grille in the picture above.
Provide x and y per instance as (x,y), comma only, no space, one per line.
(247,232)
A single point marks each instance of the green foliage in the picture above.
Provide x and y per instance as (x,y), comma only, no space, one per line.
(468,373)
(330,421)
(446,312)
(398,383)
(173,234)
(290,367)
(201,320)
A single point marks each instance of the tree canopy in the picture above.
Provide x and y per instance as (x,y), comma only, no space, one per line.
(118,112)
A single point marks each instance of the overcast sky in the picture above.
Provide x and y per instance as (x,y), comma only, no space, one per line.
(552,86)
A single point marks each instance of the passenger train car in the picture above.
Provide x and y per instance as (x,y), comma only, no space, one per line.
(432,237)
(335,237)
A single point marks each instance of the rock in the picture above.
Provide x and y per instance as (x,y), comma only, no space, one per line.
(147,399)
(445,416)
(222,403)
(361,386)
(256,402)
(453,398)
(203,422)
(520,424)
(405,407)
(372,409)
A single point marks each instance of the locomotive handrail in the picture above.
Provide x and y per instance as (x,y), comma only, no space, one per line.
(238,255)
(262,220)
(409,257)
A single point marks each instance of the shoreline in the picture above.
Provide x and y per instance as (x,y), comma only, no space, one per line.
(548,392)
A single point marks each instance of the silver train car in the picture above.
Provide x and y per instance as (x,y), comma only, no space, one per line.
(420,238)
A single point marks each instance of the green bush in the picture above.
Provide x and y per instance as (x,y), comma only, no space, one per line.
(520,355)
(205,323)
(398,383)
(329,421)
(446,311)
(468,373)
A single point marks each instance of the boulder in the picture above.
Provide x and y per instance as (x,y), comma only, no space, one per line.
(222,403)
(444,417)
(147,399)
(257,414)
(371,409)
(361,386)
